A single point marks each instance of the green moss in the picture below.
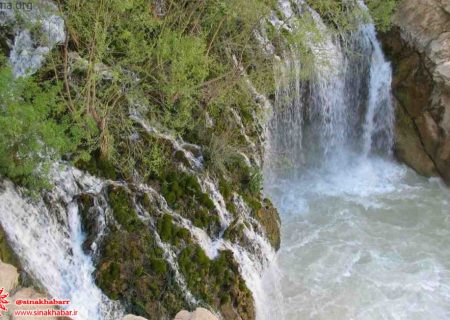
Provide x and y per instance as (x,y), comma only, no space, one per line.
(123,209)
(7,254)
(133,269)
(166,228)
(206,201)
(218,278)
(99,166)
(253,202)
(203,219)
(234,232)
(183,192)
(159,266)
(268,216)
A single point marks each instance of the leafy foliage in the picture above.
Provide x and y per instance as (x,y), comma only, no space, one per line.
(35,132)
(381,12)
(346,15)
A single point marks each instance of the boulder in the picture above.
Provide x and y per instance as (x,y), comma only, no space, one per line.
(132,317)
(183,315)
(9,277)
(197,314)
(202,314)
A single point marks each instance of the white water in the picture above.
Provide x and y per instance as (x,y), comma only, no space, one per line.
(48,241)
(363,237)
(370,241)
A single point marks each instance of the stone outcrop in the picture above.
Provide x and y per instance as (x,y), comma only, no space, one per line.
(198,314)
(29,293)
(9,280)
(9,277)
(419,47)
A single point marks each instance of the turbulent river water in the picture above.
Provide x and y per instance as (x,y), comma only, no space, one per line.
(363,237)
(367,241)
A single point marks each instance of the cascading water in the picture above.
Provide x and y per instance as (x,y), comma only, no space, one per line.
(362,236)
(344,109)
(48,240)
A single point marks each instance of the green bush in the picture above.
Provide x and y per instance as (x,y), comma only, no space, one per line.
(35,131)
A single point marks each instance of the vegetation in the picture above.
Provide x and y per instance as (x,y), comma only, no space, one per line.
(344,16)
(175,62)
(132,268)
(219,278)
(35,131)
(381,12)
(181,67)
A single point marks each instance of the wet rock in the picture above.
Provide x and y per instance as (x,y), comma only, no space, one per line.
(9,280)
(270,220)
(409,148)
(419,47)
(26,47)
(6,253)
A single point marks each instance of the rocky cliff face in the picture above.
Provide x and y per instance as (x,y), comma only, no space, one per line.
(419,48)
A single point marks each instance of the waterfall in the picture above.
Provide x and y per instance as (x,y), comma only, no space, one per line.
(48,240)
(363,237)
(343,110)
(379,120)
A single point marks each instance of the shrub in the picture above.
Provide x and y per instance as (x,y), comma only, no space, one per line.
(34,129)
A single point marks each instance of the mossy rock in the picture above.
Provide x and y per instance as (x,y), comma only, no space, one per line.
(7,254)
(234,232)
(132,269)
(183,193)
(268,216)
(218,282)
(123,209)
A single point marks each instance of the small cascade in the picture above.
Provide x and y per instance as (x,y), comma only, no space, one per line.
(255,256)
(219,203)
(343,110)
(379,121)
(257,263)
(46,235)
(211,247)
(191,152)
(170,257)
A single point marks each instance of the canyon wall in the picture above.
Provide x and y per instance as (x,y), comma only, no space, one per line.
(419,47)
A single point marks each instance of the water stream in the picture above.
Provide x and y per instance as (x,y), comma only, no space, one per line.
(363,237)
(47,236)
